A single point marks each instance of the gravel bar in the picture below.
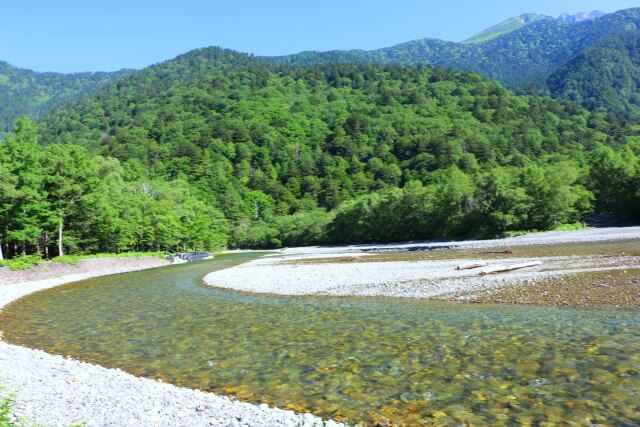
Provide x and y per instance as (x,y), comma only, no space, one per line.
(439,279)
(56,391)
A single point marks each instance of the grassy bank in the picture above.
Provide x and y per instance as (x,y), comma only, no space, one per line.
(5,408)
(28,261)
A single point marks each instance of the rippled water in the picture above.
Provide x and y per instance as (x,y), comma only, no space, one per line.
(360,360)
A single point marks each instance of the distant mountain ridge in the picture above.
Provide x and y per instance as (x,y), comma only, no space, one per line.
(522,59)
(581,16)
(513,24)
(29,93)
(529,52)
(506,27)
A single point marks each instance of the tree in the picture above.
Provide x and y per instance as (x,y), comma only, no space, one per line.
(71,174)
(614,180)
(23,203)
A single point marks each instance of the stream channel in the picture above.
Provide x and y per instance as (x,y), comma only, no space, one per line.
(374,361)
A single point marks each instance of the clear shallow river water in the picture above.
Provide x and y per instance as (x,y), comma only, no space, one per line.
(364,361)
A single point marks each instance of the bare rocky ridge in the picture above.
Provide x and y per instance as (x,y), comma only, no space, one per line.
(581,16)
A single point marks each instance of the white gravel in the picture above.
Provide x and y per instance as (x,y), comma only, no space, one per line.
(545,238)
(420,279)
(55,391)
(279,274)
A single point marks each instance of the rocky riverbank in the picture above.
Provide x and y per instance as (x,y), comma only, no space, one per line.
(84,269)
(56,391)
(428,270)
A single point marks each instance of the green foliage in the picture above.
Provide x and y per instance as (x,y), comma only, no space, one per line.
(491,203)
(604,77)
(28,93)
(73,259)
(6,402)
(65,190)
(615,179)
(570,227)
(218,149)
(506,27)
(21,262)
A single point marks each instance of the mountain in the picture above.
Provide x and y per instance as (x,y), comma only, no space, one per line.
(581,16)
(522,59)
(606,74)
(281,150)
(505,27)
(521,21)
(524,55)
(29,93)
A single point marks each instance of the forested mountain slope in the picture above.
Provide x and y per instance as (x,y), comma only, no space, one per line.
(523,59)
(29,93)
(519,56)
(506,27)
(544,50)
(344,153)
(606,74)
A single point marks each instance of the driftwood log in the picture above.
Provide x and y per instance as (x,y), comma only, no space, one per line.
(505,251)
(506,268)
(472,265)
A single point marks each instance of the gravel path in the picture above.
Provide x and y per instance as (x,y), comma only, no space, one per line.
(279,274)
(54,391)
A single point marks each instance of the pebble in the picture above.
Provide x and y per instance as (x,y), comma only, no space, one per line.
(46,393)
(55,391)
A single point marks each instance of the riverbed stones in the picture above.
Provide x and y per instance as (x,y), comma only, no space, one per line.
(55,391)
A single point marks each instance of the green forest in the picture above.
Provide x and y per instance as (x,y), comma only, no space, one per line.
(592,63)
(218,149)
(28,93)
(568,61)
(605,76)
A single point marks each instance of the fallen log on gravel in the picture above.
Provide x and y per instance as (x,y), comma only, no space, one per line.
(506,268)
(505,251)
(472,265)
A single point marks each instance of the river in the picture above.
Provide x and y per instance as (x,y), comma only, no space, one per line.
(360,360)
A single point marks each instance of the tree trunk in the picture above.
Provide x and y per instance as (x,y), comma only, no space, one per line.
(472,265)
(1,256)
(60,248)
(506,268)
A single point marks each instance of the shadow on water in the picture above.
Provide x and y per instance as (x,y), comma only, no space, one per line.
(356,359)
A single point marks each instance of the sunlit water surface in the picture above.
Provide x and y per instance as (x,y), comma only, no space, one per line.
(387,361)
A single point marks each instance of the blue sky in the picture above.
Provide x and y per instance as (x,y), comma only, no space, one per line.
(105,35)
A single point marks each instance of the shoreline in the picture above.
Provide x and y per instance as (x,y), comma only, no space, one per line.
(427,270)
(56,391)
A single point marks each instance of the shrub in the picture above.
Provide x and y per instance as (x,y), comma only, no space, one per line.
(21,262)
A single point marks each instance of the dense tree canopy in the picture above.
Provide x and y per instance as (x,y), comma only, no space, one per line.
(591,62)
(25,92)
(62,198)
(219,149)
(605,77)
